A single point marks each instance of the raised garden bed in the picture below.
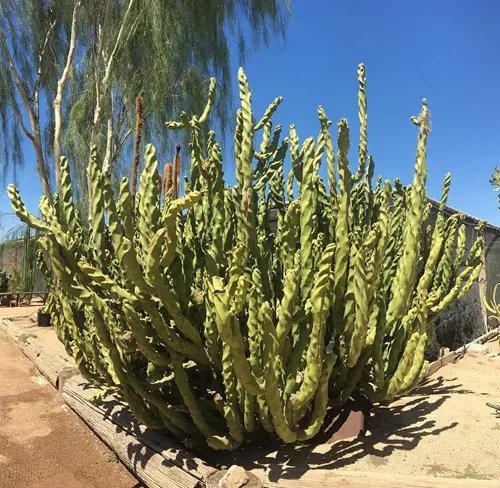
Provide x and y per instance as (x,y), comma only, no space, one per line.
(388,455)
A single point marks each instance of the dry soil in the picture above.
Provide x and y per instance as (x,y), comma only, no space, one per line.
(42,443)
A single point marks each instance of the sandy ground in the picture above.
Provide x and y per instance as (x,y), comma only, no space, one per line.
(444,428)
(9,312)
(42,443)
(45,335)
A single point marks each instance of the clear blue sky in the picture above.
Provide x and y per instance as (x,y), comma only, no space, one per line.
(444,50)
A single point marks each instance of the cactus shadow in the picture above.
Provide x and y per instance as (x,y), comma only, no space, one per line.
(151,441)
(433,386)
(388,428)
(496,409)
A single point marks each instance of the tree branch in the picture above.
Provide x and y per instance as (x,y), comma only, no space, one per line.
(107,155)
(101,90)
(117,149)
(20,85)
(40,56)
(109,140)
(34,136)
(19,117)
(60,92)
(133,29)
(117,44)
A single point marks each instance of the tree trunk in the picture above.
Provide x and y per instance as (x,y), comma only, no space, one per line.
(57,140)
(89,195)
(40,163)
(34,136)
(60,92)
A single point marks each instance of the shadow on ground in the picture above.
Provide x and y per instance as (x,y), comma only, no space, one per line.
(496,409)
(399,426)
(151,441)
(388,429)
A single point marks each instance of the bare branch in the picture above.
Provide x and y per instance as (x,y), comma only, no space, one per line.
(133,29)
(102,88)
(19,118)
(34,136)
(60,92)
(123,140)
(40,57)
(117,43)
(17,79)
(107,156)
(117,149)
(109,140)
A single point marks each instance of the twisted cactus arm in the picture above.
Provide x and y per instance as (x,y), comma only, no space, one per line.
(272,367)
(148,212)
(287,307)
(307,221)
(406,270)
(21,211)
(341,262)
(210,102)
(360,331)
(228,329)
(97,203)
(66,192)
(268,113)
(362,106)
(321,301)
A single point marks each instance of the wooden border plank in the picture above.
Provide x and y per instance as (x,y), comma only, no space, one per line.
(49,363)
(452,355)
(119,414)
(147,465)
(15,333)
(322,478)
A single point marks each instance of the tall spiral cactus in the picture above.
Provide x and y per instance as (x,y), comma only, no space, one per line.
(213,324)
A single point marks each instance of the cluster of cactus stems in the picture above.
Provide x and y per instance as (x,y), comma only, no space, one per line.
(214,325)
(492,306)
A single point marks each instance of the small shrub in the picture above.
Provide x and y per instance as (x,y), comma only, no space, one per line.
(4,281)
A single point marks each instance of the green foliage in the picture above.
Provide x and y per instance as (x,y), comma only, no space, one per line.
(4,281)
(165,53)
(15,279)
(495,180)
(29,264)
(211,324)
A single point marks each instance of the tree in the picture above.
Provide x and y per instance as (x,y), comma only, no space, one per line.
(30,49)
(79,65)
(495,179)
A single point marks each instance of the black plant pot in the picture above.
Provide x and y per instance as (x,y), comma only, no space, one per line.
(43,319)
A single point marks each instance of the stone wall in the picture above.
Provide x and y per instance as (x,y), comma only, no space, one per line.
(466,319)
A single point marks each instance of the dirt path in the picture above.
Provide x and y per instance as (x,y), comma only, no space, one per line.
(42,443)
